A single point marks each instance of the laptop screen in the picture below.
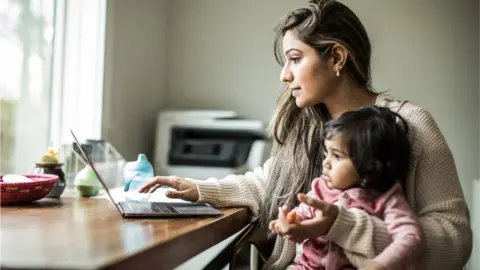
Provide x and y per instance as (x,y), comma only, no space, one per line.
(91,164)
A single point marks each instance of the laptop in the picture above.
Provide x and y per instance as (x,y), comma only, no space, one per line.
(133,209)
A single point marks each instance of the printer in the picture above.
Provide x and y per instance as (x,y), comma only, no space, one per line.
(202,143)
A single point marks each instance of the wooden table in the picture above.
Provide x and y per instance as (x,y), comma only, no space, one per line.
(78,233)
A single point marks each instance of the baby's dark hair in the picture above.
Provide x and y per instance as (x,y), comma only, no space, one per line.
(377,144)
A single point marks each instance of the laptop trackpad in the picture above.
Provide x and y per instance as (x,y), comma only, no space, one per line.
(196,209)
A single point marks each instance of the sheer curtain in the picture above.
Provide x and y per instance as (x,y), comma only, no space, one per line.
(79,84)
(51,76)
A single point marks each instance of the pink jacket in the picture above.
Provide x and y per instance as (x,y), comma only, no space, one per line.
(391,206)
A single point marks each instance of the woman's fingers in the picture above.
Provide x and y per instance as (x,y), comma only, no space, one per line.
(184,189)
(322,208)
(153,188)
(159,181)
(310,201)
(312,228)
(325,215)
(175,194)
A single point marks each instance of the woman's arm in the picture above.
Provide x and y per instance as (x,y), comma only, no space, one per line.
(438,200)
(235,190)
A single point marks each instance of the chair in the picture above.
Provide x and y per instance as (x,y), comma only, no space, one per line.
(252,236)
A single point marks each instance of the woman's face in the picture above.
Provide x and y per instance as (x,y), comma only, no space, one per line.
(307,75)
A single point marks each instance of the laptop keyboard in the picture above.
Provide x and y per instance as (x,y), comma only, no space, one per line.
(145,207)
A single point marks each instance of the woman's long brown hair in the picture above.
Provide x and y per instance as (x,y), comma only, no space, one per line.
(297,152)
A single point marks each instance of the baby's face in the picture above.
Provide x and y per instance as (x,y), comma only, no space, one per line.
(338,169)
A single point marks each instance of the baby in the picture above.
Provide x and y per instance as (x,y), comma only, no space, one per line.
(366,161)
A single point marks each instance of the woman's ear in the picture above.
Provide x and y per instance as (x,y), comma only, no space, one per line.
(339,56)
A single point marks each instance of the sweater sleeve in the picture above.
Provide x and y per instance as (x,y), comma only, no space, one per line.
(439,203)
(246,190)
(404,229)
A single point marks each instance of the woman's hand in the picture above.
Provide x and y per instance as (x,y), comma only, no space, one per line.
(319,225)
(185,189)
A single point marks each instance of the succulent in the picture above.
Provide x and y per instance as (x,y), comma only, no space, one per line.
(50,157)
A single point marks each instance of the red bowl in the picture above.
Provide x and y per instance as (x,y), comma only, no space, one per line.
(12,193)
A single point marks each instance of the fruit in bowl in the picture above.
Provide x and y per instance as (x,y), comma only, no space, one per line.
(18,190)
(15,178)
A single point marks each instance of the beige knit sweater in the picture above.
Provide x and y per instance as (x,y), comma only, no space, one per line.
(433,191)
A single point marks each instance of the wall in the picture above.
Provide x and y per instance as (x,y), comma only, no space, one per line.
(135,73)
(221,55)
(425,54)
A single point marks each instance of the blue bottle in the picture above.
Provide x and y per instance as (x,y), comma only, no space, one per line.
(135,174)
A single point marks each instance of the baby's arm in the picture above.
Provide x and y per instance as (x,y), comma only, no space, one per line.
(405,230)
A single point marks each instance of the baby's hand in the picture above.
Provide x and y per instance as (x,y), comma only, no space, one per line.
(278,226)
(271,226)
(285,220)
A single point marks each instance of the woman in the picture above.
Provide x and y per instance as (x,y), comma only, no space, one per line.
(327,72)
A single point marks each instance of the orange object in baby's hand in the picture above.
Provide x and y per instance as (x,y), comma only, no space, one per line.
(291,216)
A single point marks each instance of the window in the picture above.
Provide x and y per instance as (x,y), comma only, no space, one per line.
(51,76)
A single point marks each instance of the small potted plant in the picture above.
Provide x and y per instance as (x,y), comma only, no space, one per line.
(49,164)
